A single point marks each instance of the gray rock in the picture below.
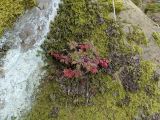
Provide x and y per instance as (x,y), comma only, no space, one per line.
(2,104)
(27,36)
(43,4)
(1,72)
(27,31)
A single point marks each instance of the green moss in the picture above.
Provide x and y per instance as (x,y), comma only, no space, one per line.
(152,7)
(136,49)
(134,39)
(147,70)
(10,10)
(99,111)
(118,5)
(88,21)
(156,36)
(106,105)
(28,4)
(137,36)
(74,22)
(80,22)
(137,2)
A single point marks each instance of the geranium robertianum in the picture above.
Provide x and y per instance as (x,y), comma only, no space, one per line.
(68,73)
(80,64)
(80,59)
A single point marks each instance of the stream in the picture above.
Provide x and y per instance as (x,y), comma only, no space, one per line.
(20,69)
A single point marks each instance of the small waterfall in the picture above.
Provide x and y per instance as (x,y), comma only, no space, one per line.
(20,70)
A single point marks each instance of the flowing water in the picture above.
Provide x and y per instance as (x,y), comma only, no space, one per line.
(20,69)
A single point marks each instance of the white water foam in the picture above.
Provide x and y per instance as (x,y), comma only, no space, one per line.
(22,68)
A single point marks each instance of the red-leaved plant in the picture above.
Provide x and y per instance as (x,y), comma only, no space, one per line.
(81,61)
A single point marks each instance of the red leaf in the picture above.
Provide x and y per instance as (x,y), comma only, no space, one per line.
(56,55)
(93,70)
(84,47)
(68,73)
(104,63)
(77,73)
(62,58)
(65,59)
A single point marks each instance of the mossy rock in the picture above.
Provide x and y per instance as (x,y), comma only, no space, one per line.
(79,22)
(90,20)
(114,103)
(137,35)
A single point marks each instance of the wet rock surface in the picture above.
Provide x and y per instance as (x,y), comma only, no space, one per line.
(43,4)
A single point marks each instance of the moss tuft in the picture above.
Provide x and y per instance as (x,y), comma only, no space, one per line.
(152,7)
(118,5)
(137,36)
(137,2)
(156,36)
(10,10)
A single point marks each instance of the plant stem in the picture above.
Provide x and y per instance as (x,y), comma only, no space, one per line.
(114,9)
(87,92)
